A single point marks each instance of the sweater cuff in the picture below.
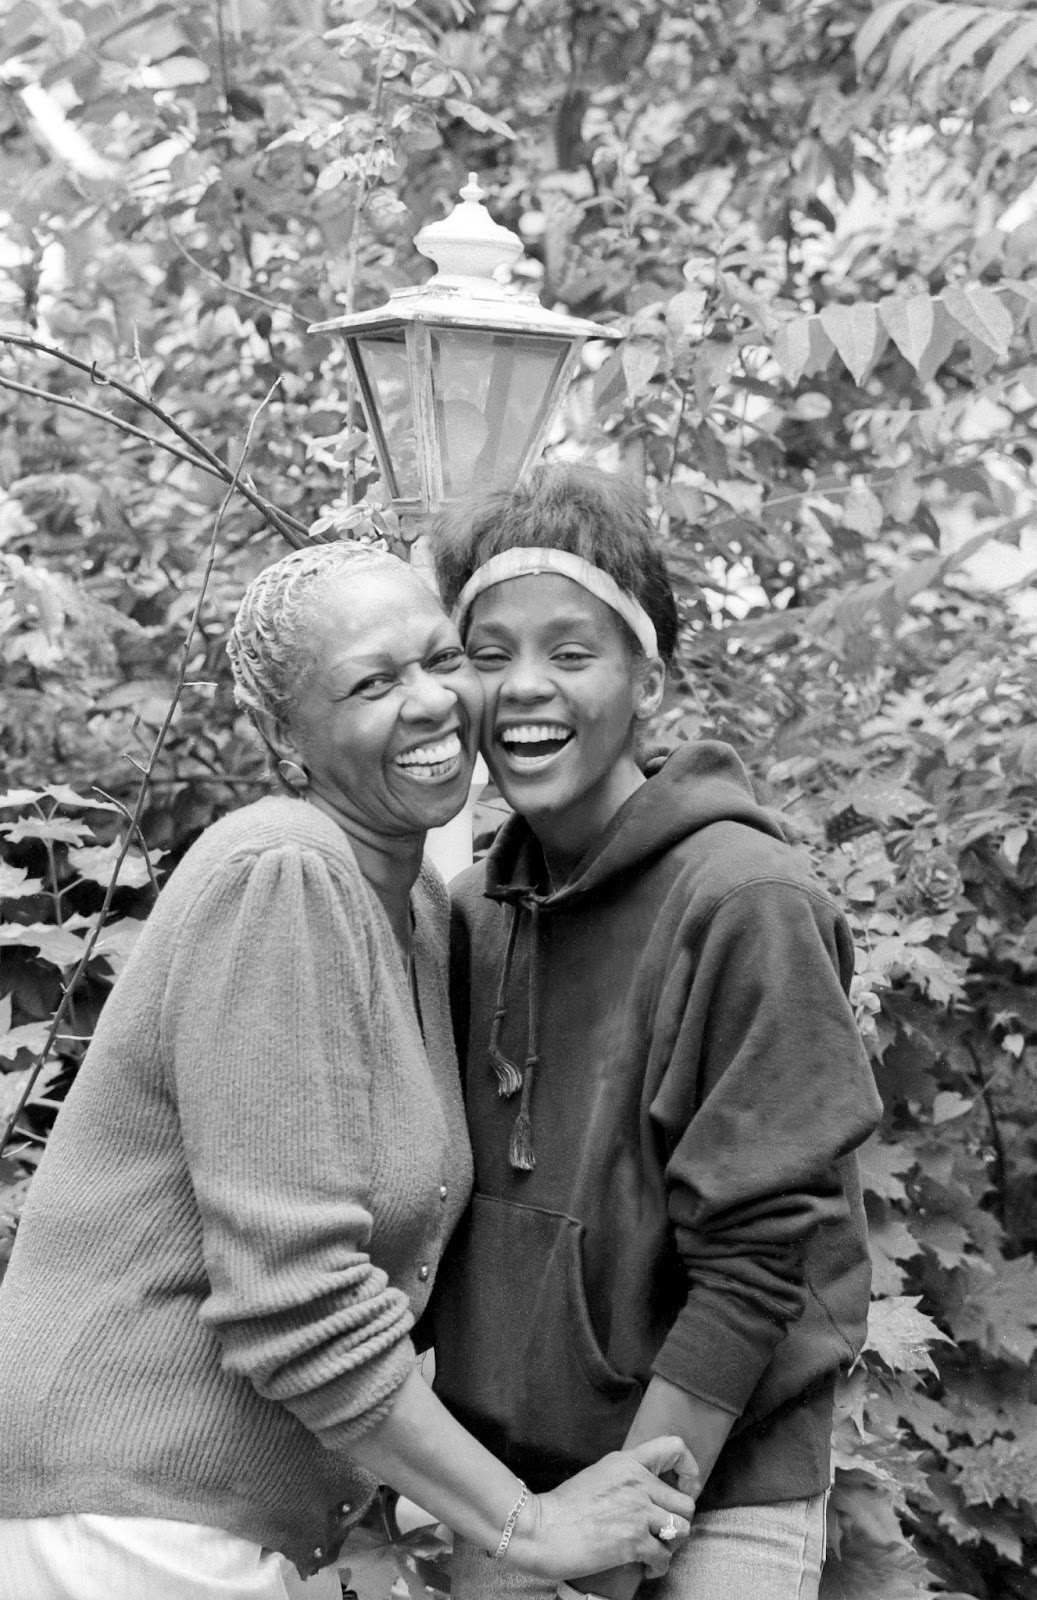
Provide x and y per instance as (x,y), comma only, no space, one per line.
(357,1402)
(707,1357)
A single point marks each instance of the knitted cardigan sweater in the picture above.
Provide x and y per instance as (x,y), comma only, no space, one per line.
(243,1202)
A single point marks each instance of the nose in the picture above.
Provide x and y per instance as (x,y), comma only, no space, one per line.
(525,683)
(429,698)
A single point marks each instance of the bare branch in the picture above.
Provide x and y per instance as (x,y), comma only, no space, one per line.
(128,814)
(133,831)
(232,288)
(106,416)
(289,527)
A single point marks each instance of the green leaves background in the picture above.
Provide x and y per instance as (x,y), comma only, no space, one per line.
(817,226)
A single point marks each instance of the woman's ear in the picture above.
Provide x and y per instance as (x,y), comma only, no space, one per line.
(651,689)
(275,735)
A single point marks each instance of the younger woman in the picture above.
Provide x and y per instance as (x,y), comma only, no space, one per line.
(662,1075)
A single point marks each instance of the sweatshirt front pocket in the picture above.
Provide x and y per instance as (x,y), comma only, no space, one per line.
(517,1358)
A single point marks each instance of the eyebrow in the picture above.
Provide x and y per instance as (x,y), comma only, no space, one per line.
(551,624)
(360,664)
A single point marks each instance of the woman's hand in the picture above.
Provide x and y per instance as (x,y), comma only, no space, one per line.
(610,1514)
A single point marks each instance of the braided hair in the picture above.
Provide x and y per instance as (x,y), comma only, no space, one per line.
(267,645)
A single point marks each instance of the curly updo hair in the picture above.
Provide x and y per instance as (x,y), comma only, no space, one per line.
(561,506)
(268,646)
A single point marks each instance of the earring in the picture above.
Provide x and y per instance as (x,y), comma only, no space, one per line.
(293,775)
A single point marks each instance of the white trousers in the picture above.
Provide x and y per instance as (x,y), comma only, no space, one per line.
(86,1556)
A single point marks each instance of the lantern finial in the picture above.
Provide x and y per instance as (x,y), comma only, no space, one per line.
(468,243)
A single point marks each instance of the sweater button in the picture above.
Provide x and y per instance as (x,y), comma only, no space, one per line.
(318,1554)
(423,1273)
(442,1191)
(344,1509)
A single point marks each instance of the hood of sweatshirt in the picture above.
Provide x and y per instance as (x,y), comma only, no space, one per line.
(695,786)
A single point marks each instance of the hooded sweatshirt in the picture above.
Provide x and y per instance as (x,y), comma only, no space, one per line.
(695,1086)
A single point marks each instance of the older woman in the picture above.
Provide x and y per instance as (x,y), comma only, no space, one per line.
(205,1362)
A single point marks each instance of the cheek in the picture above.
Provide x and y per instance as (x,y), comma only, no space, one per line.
(466,683)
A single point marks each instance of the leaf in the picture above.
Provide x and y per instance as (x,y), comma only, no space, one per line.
(478,119)
(435,86)
(900,1334)
(56,945)
(1013,844)
(791,347)
(948,1105)
(684,311)
(332,174)
(15,883)
(909,320)
(1011,53)
(890,1242)
(946,1239)
(640,359)
(857,334)
(117,940)
(999,1310)
(945,336)
(982,316)
(1004,1469)
(12,1085)
(971,43)
(29,1036)
(933,32)
(862,511)
(876,28)
(60,830)
(65,795)
(176,72)
(882,1165)
(811,407)
(95,863)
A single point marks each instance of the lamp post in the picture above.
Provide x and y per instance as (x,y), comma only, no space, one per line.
(460,381)
(461,377)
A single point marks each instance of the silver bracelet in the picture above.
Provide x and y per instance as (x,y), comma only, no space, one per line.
(509,1526)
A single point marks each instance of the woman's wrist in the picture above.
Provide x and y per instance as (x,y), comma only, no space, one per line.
(523,1546)
(510,1525)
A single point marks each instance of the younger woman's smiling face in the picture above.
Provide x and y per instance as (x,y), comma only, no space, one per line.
(563,689)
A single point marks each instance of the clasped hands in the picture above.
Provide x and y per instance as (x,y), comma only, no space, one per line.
(612,1515)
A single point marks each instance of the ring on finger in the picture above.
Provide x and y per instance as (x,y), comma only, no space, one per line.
(669,1530)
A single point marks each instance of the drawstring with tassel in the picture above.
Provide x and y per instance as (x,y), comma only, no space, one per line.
(509,1078)
(520,1151)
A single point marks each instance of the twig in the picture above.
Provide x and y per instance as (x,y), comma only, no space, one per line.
(290,528)
(996,1138)
(142,792)
(128,814)
(211,778)
(106,416)
(231,288)
(140,363)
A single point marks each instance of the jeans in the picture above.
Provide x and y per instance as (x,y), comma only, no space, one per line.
(772,1552)
(87,1556)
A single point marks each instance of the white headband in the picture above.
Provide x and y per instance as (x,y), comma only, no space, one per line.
(530,562)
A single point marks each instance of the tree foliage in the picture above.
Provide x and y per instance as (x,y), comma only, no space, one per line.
(816,225)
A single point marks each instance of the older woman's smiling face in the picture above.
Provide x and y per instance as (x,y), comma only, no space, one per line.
(386,717)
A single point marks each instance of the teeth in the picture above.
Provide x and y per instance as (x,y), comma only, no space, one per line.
(431,755)
(534,733)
